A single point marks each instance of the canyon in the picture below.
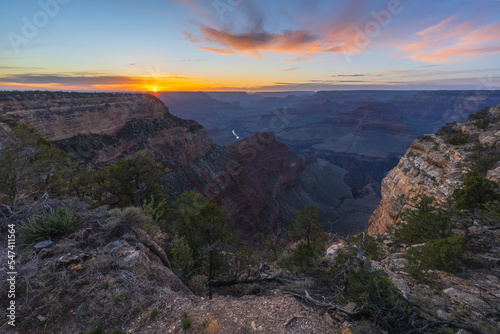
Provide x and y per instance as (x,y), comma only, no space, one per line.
(260,179)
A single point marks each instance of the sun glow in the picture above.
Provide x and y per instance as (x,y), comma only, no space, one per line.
(155,89)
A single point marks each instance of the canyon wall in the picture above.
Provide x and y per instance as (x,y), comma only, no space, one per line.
(103,127)
(434,167)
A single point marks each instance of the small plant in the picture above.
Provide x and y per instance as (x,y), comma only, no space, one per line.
(157,207)
(186,322)
(97,330)
(443,254)
(481,119)
(58,221)
(153,313)
(135,216)
(459,138)
(426,220)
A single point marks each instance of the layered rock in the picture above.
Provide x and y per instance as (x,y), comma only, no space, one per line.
(433,167)
(100,127)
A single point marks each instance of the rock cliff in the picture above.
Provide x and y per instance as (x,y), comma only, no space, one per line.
(434,167)
(102,127)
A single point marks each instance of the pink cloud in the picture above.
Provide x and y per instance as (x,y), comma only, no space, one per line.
(450,41)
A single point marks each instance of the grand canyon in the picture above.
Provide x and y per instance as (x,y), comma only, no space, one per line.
(249,166)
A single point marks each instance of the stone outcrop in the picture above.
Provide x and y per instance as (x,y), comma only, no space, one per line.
(100,127)
(433,167)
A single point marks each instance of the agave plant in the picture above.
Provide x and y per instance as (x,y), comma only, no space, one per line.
(54,222)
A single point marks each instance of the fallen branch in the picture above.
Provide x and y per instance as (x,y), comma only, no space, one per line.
(289,321)
(153,246)
(218,283)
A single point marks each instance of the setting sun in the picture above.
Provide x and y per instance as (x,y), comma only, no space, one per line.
(155,89)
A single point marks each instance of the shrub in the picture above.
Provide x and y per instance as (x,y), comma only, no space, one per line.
(376,293)
(97,330)
(55,222)
(427,220)
(481,119)
(483,159)
(301,260)
(182,256)
(129,182)
(186,322)
(205,229)
(135,216)
(198,284)
(458,138)
(157,207)
(370,248)
(491,213)
(442,254)
(452,136)
(474,193)
(447,129)
(153,313)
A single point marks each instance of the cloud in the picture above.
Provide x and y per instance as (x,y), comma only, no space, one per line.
(220,51)
(349,75)
(258,40)
(310,29)
(450,40)
(290,69)
(64,79)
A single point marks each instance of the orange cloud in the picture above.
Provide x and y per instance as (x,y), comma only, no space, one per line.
(221,51)
(255,41)
(447,41)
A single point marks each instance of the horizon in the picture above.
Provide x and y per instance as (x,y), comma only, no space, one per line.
(248,45)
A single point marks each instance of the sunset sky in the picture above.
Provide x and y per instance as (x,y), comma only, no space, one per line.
(251,45)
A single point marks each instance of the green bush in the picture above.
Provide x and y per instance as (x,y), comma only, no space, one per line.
(55,222)
(97,330)
(443,254)
(427,220)
(129,182)
(375,292)
(481,119)
(474,193)
(185,321)
(483,159)
(301,260)
(446,130)
(182,257)
(205,229)
(370,247)
(157,207)
(153,313)
(458,138)
(135,216)
(452,136)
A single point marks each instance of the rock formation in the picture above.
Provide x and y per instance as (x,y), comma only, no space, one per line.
(434,167)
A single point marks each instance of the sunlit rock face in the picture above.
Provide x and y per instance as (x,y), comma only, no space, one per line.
(433,167)
(102,127)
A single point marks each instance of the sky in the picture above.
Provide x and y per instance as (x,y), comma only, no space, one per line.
(249,45)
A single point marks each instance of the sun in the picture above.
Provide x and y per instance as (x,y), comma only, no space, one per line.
(155,89)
